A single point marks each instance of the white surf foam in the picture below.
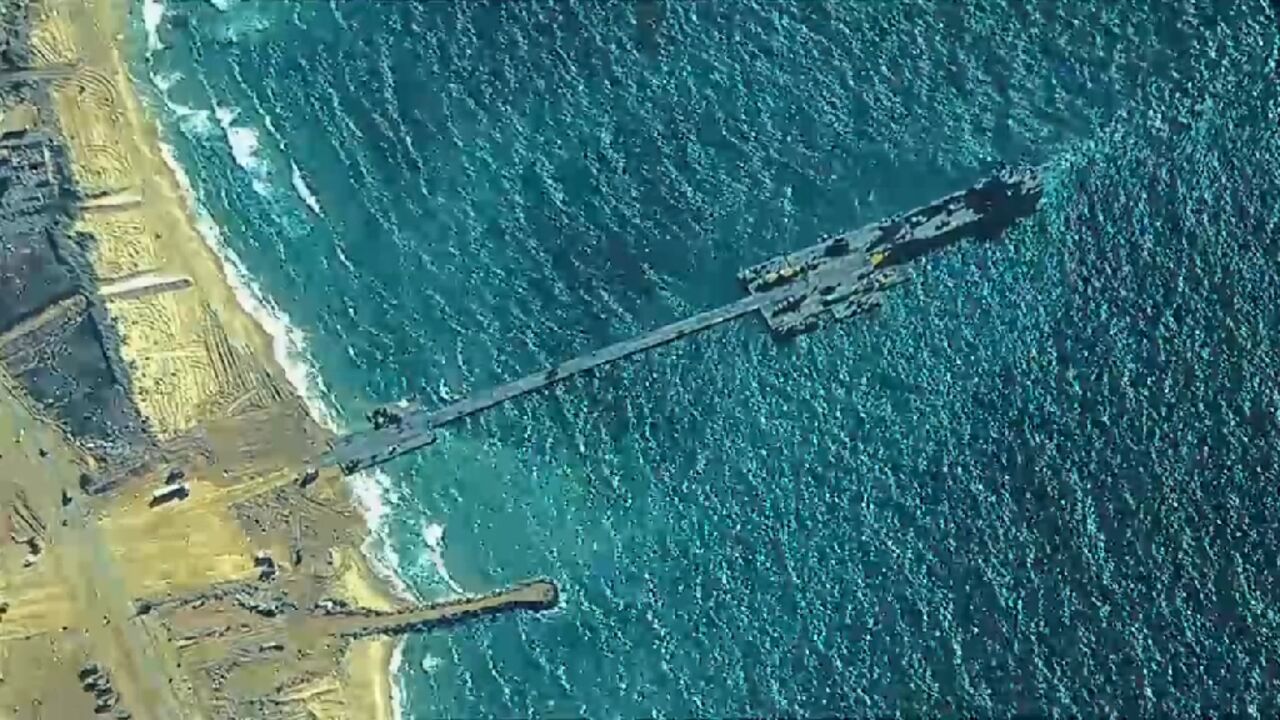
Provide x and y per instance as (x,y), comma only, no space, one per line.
(165,80)
(244,144)
(223,5)
(152,15)
(304,192)
(433,536)
(372,489)
(431,663)
(193,121)
(397,692)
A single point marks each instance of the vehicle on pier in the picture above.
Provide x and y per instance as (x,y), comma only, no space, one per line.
(846,275)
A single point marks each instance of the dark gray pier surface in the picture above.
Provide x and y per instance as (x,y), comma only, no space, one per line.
(840,277)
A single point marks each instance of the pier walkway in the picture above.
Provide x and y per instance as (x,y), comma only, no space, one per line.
(841,277)
(414,429)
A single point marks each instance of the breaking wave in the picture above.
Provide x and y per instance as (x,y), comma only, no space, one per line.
(152,15)
(304,191)
(433,536)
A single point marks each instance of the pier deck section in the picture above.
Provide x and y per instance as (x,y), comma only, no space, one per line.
(415,429)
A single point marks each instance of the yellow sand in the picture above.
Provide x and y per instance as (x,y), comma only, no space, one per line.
(68,607)
(192,355)
(199,365)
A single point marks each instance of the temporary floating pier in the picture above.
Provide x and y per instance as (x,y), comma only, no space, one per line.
(836,279)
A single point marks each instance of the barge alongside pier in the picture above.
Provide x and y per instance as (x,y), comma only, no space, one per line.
(839,278)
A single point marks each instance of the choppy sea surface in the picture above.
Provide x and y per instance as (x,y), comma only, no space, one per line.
(1042,480)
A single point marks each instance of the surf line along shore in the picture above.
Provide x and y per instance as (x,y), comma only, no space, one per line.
(839,278)
(157,561)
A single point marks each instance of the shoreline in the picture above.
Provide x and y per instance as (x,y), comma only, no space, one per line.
(290,355)
(286,352)
(287,345)
(243,311)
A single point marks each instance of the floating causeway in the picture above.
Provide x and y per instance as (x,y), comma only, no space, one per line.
(839,278)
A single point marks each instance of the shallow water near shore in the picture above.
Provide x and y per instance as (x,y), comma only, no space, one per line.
(1041,480)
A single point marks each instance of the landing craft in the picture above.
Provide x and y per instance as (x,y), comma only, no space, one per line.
(846,275)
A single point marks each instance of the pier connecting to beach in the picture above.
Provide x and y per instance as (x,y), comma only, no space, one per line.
(836,279)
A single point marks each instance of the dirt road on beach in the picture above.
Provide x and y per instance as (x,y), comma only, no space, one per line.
(64,603)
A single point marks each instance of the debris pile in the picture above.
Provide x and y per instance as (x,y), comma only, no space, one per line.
(264,605)
(333,606)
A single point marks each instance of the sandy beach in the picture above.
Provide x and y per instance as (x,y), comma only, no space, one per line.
(205,377)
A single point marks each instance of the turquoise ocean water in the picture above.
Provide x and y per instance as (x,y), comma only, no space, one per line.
(1042,480)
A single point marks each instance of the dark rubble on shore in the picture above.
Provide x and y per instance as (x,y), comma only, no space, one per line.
(56,338)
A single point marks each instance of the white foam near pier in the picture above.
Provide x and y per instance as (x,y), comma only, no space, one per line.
(433,536)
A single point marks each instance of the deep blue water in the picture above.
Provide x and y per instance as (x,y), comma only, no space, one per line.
(1041,480)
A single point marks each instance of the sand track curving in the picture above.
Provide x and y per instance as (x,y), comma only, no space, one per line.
(172,374)
(51,37)
(97,87)
(104,168)
(121,245)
